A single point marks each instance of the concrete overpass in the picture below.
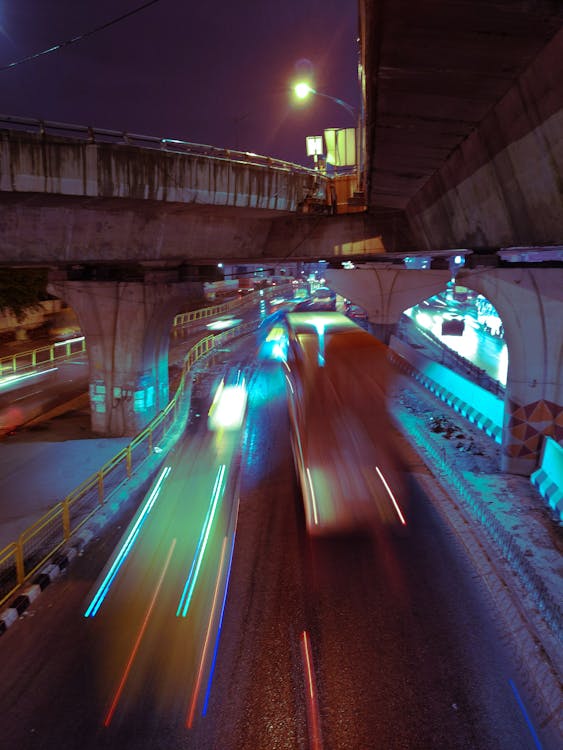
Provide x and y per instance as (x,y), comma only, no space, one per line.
(463,147)
(72,195)
(464,121)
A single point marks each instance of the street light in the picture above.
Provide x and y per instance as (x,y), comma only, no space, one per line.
(302,91)
(343,147)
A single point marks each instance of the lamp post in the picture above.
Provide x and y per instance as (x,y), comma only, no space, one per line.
(302,91)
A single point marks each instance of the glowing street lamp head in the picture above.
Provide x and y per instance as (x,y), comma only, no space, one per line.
(302,90)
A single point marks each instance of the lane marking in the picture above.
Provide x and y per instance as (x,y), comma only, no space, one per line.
(195,694)
(191,581)
(135,649)
(104,588)
(313,714)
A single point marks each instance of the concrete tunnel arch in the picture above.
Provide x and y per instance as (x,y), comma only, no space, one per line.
(532,328)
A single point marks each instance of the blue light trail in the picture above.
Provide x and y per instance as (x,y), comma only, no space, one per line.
(103,590)
(208,691)
(191,581)
(522,707)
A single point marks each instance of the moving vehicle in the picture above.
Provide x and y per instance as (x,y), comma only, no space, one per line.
(324,298)
(336,377)
(228,408)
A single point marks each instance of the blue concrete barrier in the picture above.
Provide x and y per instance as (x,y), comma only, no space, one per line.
(473,402)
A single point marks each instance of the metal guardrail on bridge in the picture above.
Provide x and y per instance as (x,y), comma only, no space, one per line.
(174,145)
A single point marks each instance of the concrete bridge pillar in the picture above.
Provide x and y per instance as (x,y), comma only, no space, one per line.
(386,291)
(127,328)
(530,303)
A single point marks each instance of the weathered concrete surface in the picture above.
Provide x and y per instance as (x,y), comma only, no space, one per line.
(127,330)
(463,121)
(61,230)
(67,201)
(503,184)
(34,163)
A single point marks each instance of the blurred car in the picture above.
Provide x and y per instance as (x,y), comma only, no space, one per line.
(228,408)
(452,324)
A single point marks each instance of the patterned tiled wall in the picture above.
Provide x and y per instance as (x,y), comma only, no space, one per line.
(526,425)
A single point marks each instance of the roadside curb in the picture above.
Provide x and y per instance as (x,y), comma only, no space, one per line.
(46,575)
(61,559)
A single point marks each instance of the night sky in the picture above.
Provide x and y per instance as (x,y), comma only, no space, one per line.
(206,72)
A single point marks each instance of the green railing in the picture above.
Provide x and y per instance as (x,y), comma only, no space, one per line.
(20,560)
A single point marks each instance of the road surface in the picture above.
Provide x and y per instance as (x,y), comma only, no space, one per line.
(379,641)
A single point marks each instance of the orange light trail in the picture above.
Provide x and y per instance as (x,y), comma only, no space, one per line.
(125,675)
(195,694)
(313,716)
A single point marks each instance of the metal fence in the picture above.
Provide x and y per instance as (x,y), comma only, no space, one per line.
(20,560)
(44,355)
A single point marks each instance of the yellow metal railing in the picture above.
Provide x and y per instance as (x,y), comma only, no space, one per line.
(44,355)
(22,559)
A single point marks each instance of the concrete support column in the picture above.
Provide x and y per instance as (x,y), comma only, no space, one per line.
(382,331)
(385,292)
(127,329)
(530,303)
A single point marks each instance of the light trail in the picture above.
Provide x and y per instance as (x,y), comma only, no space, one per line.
(104,588)
(313,498)
(68,341)
(313,714)
(208,692)
(522,708)
(195,694)
(133,654)
(191,581)
(27,395)
(11,380)
(395,503)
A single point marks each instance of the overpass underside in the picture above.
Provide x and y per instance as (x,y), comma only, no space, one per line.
(464,122)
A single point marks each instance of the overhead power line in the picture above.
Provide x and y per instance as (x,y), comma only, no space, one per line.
(78,38)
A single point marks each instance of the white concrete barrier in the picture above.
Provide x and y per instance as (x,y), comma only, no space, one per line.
(548,478)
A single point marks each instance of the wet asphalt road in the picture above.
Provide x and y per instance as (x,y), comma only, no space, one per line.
(404,647)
